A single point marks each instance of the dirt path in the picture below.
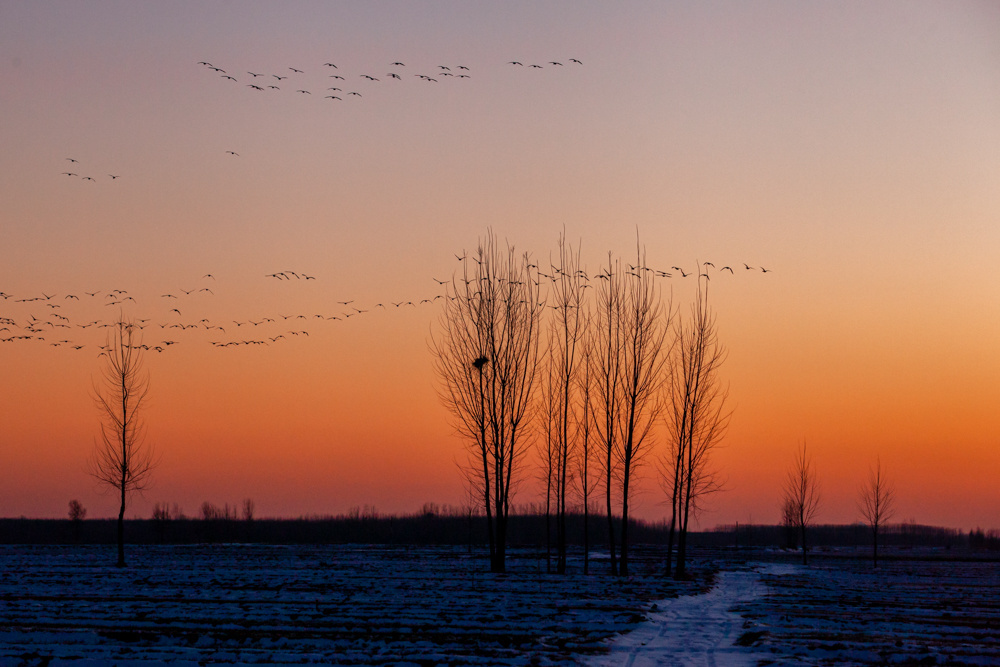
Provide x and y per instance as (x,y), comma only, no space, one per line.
(695,630)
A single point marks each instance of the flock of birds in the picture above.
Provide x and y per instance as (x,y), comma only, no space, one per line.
(62,320)
(327,82)
(75,172)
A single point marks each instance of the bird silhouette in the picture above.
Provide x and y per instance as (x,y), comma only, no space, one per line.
(297,71)
(232,153)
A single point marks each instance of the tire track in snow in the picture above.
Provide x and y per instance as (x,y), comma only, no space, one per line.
(692,631)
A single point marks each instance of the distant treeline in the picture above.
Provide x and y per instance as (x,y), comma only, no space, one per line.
(453,528)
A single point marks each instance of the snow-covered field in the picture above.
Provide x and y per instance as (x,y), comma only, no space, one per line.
(908,612)
(239,604)
(226,604)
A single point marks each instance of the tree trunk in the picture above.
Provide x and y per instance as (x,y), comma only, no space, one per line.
(623,562)
(121,531)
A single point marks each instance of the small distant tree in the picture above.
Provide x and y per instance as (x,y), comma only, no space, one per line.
(122,460)
(876,503)
(801,496)
(248,509)
(77,512)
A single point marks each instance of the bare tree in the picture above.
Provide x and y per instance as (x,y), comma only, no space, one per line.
(877,503)
(122,460)
(248,509)
(801,496)
(77,512)
(645,351)
(565,334)
(696,419)
(606,350)
(487,359)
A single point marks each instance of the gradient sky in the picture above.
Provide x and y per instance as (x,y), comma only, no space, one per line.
(851,148)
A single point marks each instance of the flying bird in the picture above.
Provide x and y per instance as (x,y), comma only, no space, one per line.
(297,71)
(574,60)
(399,64)
(514,62)
(233,153)
(330,65)
(72,160)
(113,176)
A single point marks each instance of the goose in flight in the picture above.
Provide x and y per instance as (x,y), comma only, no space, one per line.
(574,60)
(72,160)
(232,153)
(297,71)
(330,65)
(398,64)
(113,176)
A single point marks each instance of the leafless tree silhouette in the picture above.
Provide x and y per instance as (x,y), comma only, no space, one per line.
(565,334)
(487,359)
(801,496)
(77,512)
(877,504)
(606,350)
(248,509)
(122,460)
(633,350)
(645,354)
(696,419)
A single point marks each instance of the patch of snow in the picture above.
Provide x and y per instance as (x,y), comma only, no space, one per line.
(694,630)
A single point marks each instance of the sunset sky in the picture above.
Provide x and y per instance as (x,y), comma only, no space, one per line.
(853,149)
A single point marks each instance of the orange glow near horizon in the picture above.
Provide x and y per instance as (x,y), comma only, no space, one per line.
(853,152)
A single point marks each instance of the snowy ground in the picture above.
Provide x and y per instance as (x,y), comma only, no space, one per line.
(234,604)
(908,612)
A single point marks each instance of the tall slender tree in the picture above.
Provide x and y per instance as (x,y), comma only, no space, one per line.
(565,334)
(607,393)
(487,359)
(696,418)
(122,460)
(645,352)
